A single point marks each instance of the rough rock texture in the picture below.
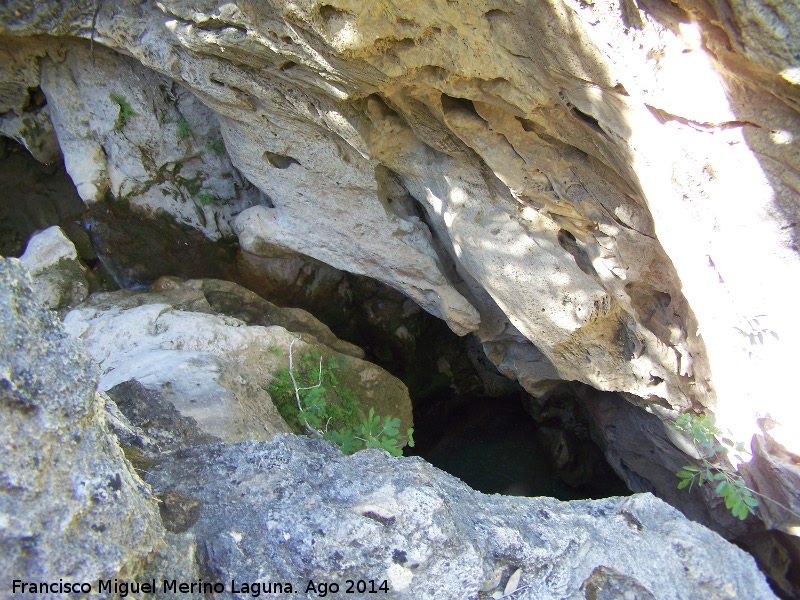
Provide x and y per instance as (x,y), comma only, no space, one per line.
(515,189)
(235,301)
(588,187)
(137,248)
(212,367)
(147,424)
(435,178)
(25,116)
(59,279)
(775,473)
(297,510)
(647,453)
(71,505)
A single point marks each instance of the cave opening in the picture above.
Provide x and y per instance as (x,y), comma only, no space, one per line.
(496,447)
(470,420)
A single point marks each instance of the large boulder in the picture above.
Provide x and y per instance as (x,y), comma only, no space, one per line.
(190,343)
(72,507)
(295,511)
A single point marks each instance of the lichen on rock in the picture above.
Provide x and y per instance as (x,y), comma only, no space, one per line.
(72,505)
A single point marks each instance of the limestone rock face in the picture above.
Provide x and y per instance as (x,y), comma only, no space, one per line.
(467,180)
(305,512)
(59,279)
(539,175)
(24,114)
(604,193)
(215,369)
(72,506)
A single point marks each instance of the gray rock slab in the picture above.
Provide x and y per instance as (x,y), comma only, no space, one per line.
(59,279)
(71,506)
(297,510)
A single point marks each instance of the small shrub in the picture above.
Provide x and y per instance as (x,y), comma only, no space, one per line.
(205,198)
(329,410)
(184,128)
(372,432)
(316,381)
(125,111)
(217,147)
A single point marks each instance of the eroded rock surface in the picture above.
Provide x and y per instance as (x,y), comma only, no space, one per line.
(183,342)
(59,279)
(72,506)
(447,175)
(514,189)
(587,187)
(305,512)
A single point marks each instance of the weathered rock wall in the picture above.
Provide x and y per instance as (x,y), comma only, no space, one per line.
(602,193)
(421,152)
(294,510)
(506,167)
(72,505)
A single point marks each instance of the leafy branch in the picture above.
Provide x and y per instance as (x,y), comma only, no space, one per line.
(729,484)
(372,433)
(755,333)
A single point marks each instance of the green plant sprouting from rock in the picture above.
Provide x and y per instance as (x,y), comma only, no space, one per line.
(206,198)
(125,111)
(217,147)
(315,381)
(372,432)
(706,437)
(184,127)
(328,410)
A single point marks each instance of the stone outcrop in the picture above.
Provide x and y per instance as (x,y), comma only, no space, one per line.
(306,513)
(59,279)
(72,506)
(460,185)
(604,193)
(525,174)
(190,343)
(296,510)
